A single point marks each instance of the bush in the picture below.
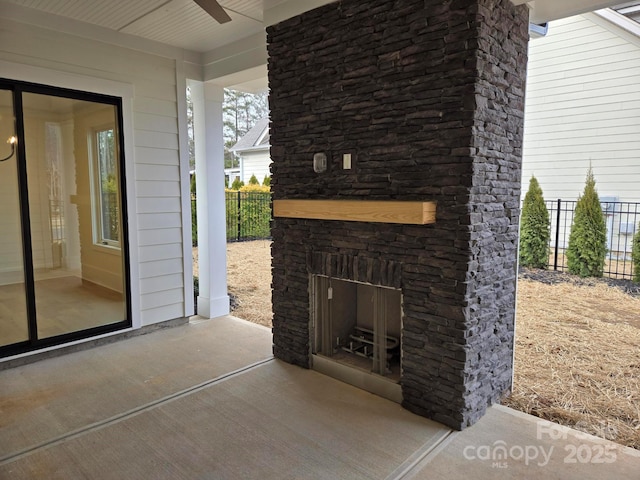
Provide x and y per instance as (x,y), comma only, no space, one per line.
(255,188)
(237,184)
(267,181)
(253,218)
(255,211)
(635,255)
(253,180)
(534,228)
(194,217)
(588,238)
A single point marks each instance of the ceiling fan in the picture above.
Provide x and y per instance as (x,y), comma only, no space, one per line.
(214,9)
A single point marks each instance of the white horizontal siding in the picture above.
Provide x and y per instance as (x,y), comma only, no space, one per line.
(155,123)
(162,140)
(151,253)
(155,145)
(157,156)
(149,188)
(153,204)
(161,284)
(158,221)
(161,299)
(162,173)
(160,268)
(155,106)
(69,53)
(583,108)
(255,163)
(151,315)
(159,237)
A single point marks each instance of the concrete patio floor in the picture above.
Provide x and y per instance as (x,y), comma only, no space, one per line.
(207,400)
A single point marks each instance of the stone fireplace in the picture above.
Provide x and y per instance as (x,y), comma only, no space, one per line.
(402,103)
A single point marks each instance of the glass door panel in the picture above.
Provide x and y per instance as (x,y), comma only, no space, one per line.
(14,326)
(73,183)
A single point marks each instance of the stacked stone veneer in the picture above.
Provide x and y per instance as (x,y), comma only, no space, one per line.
(428,97)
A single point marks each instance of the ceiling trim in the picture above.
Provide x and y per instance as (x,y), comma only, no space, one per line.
(547,10)
(618,23)
(276,11)
(17,13)
(257,41)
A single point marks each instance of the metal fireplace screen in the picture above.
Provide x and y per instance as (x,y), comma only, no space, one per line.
(358,325)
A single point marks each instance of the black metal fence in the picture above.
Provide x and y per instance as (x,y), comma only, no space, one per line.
(248,216)
(622,223)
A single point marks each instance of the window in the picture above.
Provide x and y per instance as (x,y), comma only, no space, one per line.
(107,227)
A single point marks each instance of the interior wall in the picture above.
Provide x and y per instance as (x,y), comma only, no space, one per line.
(99,265)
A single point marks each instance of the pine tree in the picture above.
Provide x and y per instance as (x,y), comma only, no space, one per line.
(588,238)
(534,228)
(254,180)
(190,131)
(240,112)
(635,255)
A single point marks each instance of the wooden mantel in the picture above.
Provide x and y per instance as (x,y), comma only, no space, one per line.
(405,212)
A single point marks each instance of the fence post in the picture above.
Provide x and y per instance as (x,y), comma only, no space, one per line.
(555,255)
(239,217)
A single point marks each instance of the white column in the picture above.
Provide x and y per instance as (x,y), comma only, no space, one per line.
(213,300)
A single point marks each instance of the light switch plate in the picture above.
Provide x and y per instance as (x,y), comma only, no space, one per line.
(346,161)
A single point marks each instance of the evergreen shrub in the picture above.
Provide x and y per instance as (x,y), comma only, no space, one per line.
(237,184)
(636,256)
(588,238)
(534,228)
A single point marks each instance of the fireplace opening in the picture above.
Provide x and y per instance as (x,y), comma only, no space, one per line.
(358,325)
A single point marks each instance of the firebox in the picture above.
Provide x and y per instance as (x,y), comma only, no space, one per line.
(356,334)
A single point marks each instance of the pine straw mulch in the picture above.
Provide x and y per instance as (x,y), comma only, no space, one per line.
(578,354)
(577,343)
(248,279)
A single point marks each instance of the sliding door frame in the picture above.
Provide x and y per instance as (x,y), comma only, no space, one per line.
(34,343)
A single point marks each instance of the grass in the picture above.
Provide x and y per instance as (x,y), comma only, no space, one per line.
(577,359)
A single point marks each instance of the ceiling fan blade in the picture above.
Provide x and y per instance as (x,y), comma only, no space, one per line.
(214,9)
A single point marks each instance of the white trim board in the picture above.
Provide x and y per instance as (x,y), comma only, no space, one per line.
(56,78)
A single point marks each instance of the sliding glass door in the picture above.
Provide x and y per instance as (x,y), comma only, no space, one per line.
(14,323)
(69,276)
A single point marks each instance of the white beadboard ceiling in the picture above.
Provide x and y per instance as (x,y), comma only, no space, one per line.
(182,23)
(179,23)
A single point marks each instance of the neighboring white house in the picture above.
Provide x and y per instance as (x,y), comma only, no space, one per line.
(583,107)
(253,150)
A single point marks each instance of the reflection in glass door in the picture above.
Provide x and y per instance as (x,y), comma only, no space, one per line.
(66,176)
(71,152)
(14,325)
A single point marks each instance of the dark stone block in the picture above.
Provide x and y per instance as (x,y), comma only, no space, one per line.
(428,96)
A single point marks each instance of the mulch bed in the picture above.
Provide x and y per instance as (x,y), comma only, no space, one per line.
(553,277)
(577,355)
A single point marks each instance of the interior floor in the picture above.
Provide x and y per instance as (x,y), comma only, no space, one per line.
(64,304)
